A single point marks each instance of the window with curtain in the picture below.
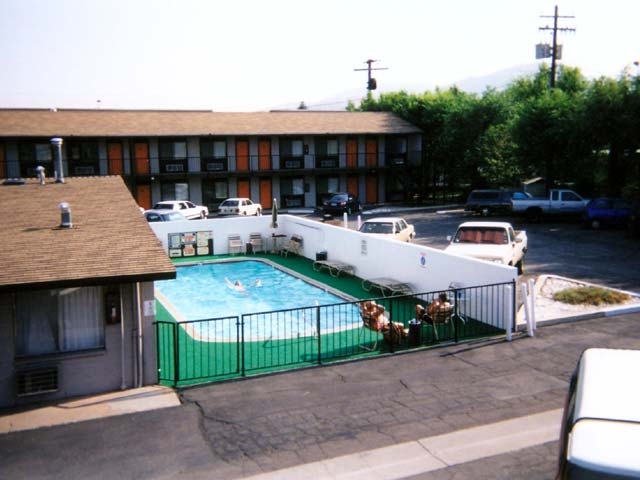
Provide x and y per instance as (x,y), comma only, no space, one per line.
(58,321)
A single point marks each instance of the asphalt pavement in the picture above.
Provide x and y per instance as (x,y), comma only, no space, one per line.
(375,418)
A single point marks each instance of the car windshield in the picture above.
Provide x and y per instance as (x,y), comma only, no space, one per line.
(338,198)
(163,206)
(229,203)
(376,227)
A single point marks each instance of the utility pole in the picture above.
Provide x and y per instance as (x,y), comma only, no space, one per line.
(556,50)
(371,82)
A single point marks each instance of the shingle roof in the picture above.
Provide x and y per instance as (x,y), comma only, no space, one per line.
(109,242)
(118,123)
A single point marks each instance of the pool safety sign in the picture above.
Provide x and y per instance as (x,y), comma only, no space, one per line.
(190,244)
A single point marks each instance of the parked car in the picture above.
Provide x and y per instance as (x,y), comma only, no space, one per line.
(559,202)
(163,215)
(189,209)
(487,202)
(340,203)
(607,212)
(600,427)
(495,242)
(395,227)
(239,206)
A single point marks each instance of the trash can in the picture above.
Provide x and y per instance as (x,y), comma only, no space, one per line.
(415,333)
(321,256)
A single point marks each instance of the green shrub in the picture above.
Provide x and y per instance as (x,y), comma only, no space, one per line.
(590,296)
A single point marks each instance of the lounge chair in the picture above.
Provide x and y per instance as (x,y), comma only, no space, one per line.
(257,242)
(293,246)
(334,267)
(235,243)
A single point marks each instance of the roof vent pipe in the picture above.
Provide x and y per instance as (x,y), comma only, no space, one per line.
(57,144)
(65,215)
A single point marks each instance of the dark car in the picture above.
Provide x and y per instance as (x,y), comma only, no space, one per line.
(340,203)
(607,212)
(487,202)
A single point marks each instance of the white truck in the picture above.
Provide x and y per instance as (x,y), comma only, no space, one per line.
(495,242)
(559,202)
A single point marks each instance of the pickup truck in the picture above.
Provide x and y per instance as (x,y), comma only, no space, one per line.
(559,202)
(495,242)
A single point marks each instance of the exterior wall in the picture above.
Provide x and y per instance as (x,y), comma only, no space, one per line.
(89,372)
(426,269)
(195,176)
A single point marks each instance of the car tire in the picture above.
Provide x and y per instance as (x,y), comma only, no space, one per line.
(258,212)
(203,215)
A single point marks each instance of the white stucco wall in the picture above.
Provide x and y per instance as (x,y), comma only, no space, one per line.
(426,269)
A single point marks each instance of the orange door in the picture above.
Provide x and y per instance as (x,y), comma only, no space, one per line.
(114,158)
(242,156)
(244,188)
(372,189)
(265,192)
(352,185)
(141,157)
(352,153)
(143,196)
(371,152)
(264,155)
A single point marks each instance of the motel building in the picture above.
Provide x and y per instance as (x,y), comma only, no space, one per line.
(298,157)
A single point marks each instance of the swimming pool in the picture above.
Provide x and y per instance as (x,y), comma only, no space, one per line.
(208,290)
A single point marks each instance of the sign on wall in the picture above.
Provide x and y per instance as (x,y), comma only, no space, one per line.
(190,244)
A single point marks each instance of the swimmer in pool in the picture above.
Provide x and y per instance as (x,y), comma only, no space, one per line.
(237,286)
(257,283)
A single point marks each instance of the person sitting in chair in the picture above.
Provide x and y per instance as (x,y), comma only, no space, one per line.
(436,309)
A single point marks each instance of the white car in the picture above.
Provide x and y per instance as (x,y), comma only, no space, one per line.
(397,227)
(189,209)
(239,206)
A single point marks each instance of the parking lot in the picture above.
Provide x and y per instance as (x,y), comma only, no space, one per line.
(566,248)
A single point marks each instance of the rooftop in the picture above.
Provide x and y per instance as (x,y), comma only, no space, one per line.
(117,123)
(109,240)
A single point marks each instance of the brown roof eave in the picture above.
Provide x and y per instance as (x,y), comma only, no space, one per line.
(88,282)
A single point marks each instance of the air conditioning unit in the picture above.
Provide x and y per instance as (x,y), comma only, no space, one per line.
(35,380)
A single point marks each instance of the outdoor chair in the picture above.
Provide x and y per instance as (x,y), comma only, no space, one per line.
(293,246)
(257,242)
(441,317)
(235,243)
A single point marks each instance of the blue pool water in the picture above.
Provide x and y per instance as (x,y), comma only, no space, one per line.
(207,291)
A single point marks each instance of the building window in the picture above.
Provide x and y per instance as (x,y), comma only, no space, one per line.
(32,155)
(54,321)
(214,192)
(325,188)
(173,156)
(174,191)
(213,155)
(292,190)
(82,158)
(326,152)
(291,153)
(396,151)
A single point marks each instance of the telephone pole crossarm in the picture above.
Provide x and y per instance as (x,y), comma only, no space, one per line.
(371,82)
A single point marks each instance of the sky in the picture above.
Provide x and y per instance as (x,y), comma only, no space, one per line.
(257,55)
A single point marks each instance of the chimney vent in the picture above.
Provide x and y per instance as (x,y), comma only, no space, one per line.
(65,215)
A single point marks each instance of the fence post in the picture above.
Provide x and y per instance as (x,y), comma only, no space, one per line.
(510,320)
(176,355)
(318,331)
(241,352)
